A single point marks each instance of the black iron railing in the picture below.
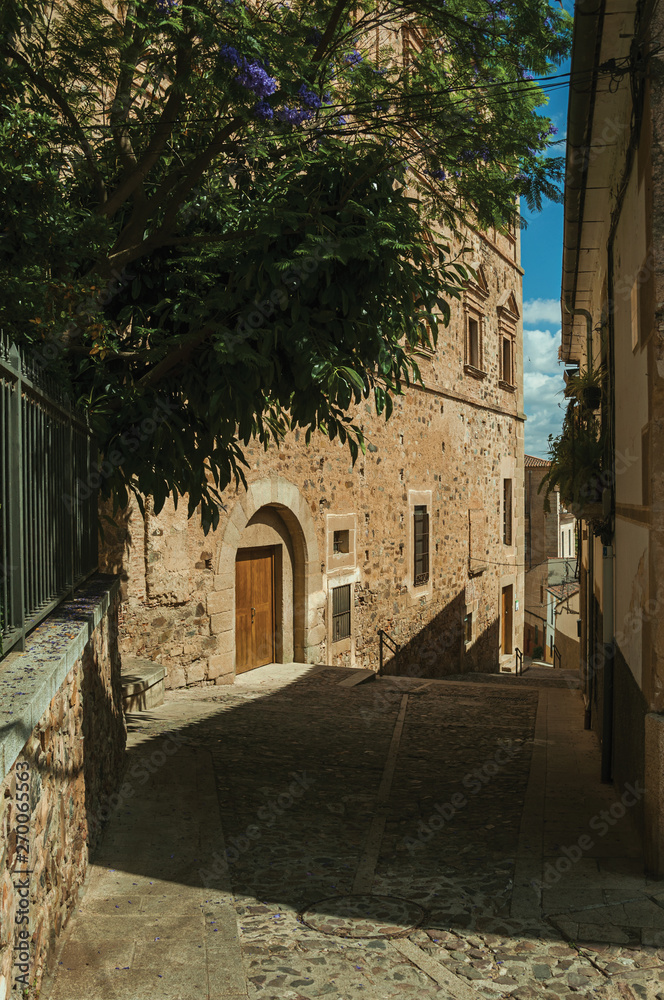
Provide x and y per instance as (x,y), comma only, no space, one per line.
(519,661)
(48,503)
(557,658)
(386,640)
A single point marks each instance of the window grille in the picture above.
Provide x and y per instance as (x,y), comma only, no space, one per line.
(340,612)
(421,537)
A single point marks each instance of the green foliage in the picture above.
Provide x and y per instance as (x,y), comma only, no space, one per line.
(577,462)
(223,220)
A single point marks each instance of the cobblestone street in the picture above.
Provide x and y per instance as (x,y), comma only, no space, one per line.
(465,821)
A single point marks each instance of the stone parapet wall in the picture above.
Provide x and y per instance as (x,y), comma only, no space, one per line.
(63,736)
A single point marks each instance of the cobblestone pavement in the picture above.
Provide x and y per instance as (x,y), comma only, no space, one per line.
(449,812)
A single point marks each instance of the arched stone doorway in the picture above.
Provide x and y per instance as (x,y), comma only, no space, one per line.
(269,534)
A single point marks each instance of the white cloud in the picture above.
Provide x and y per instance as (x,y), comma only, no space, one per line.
(540,351)
(542,386)
(544,405)
(541,311)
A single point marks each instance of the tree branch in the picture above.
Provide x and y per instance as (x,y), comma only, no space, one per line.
(156,145)
(52,91)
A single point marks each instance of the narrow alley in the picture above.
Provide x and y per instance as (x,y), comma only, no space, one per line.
(295,836)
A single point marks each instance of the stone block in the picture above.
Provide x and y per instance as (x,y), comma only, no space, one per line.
(225,679)
(226,641)
(261,493)
(239,517)
(224,581)
(221,664)
(195,673)
(317,635)
(175,678)
(222,622)
(219,601)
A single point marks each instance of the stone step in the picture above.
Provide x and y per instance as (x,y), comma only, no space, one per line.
(142,684)
(357,677)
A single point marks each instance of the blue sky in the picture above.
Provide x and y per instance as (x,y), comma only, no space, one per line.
(541,258)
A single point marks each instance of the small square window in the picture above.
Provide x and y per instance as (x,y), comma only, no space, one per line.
(341,541)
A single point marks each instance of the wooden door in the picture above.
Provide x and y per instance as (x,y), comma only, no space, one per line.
(507,619)
(254,608)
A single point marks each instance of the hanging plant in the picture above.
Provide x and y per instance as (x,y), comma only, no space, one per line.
(586,387)
(577,462)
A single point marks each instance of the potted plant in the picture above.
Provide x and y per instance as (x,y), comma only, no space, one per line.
(586,386)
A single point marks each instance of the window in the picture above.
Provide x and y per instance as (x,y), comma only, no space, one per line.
(473,360)
(507,511)
(341,541)
(421,538)
(541,594)
(506,372)
(473,342)
(507,620)
(468,628)
(340,612)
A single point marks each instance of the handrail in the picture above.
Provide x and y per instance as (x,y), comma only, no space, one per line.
(519,661)
(557,656)
(386,639)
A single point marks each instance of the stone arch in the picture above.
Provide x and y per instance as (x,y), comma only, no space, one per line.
(284,498)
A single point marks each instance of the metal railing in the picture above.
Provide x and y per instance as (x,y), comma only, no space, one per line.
(557,658)
(393,646)
(519,661)
(48,533)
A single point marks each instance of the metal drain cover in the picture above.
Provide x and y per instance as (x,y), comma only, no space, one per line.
(364,916)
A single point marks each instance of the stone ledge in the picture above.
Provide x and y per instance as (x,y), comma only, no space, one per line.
(30,680)
(142,684)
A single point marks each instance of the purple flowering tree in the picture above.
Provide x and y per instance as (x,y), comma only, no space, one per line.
(206,202)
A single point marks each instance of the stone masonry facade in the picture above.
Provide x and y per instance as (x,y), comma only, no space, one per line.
(451,455)
(53,801)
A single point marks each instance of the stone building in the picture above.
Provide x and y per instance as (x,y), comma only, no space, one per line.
(550,556)
(613,290)
(422,538)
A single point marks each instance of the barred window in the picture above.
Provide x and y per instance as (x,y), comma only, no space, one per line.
(421,537)
(507,511)
(340,612)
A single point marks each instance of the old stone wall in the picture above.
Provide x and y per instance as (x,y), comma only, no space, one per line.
(53,801)
(449,448)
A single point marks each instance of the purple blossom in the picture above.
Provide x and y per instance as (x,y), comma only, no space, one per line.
(293,116)
(263,111)
(251,75)
(254,77)
(438,175)
(167,6)
(308,98)
(314,36)
(230,54)
(353,58)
